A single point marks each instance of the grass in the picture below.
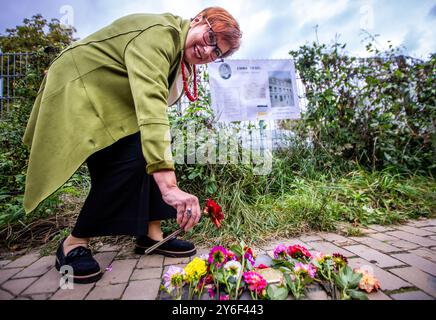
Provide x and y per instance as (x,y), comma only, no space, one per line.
(358,198)
(54,218)
(351,231)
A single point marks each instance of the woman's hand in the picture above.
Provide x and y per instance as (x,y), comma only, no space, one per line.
(178,199)
(183,201)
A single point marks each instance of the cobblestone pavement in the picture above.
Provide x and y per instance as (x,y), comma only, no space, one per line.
(402,257)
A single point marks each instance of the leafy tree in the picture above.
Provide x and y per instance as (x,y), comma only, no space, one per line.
(37,34)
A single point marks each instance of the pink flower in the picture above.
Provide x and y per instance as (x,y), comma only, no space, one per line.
(280,251)
(318,256)
(255,281)
(218,255)
(308,269)
(226,297)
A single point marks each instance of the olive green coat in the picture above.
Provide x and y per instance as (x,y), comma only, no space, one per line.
(109,85)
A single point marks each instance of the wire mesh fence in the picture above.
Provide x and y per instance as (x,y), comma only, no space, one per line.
(13,66)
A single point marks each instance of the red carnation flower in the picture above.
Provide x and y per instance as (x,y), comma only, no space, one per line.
(214,211)
(208,279)
(298,252)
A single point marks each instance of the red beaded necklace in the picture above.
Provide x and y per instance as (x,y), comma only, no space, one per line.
(185,84)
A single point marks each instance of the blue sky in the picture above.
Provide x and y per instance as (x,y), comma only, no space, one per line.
(271,27)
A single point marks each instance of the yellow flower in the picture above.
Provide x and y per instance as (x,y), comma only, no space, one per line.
(195,270)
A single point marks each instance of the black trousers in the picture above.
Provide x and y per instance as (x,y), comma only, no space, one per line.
(123,197)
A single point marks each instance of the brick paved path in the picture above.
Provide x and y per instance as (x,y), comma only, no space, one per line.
(402,257)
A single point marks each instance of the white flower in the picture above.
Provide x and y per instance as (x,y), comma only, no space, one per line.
(234,268)
(173,278)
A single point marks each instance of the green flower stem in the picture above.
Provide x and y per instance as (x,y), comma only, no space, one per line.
(345,296)
(333,288)
(190,291)
(217,286)
(228,288)
(299,287)
(201,291)
(331,282)
(238,283)
(179,293)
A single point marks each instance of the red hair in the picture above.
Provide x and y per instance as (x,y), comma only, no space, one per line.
(225,26)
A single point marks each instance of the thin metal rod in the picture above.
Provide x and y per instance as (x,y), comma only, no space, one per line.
(157,245)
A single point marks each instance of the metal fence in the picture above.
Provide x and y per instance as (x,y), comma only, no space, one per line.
(13,66)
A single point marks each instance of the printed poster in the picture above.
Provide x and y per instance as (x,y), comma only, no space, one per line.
(243,90)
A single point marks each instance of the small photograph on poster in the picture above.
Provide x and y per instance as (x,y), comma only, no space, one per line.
(280,88)
(225,71)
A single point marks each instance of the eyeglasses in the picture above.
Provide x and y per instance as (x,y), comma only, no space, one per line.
(210,38)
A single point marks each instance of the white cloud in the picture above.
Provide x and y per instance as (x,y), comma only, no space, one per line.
(271,27)
(317,10)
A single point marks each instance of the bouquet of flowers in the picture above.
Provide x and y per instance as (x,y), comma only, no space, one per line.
(226,273)
(331,271)
(223,274)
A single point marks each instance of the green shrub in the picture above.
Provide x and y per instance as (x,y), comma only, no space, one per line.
(376,112)
(44,39)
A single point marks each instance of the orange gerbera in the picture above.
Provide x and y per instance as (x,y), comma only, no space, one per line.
(368,283)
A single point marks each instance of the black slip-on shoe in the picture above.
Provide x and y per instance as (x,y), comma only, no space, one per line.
(85,268)
(175,248)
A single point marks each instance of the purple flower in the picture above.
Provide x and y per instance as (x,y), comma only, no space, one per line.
(280,251)
(250,258)
(173,278)
(211,292)
(249,255)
